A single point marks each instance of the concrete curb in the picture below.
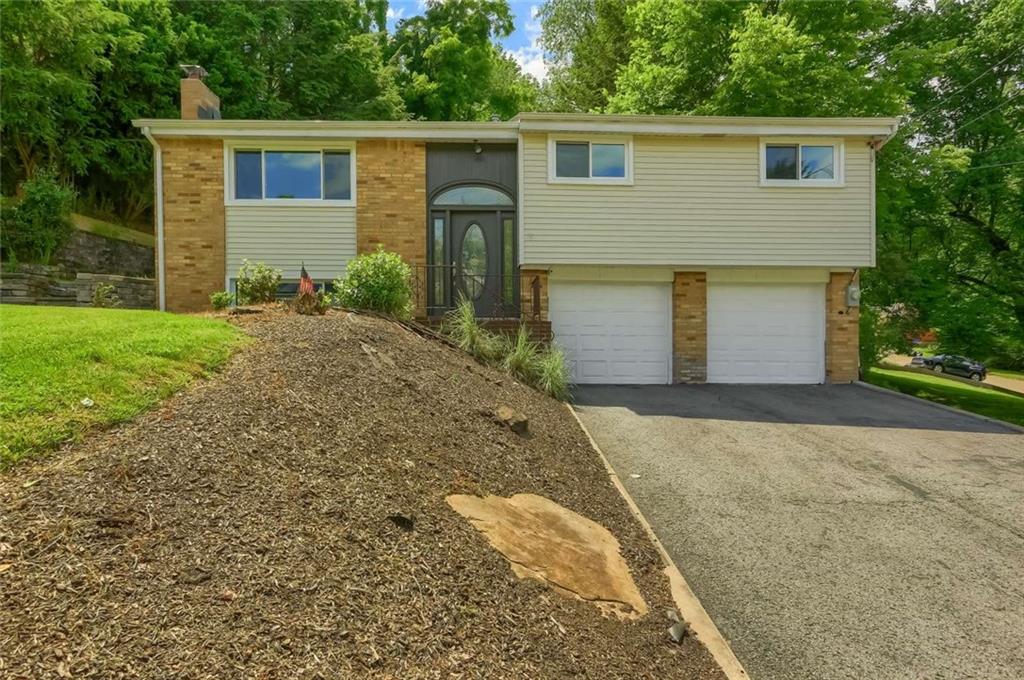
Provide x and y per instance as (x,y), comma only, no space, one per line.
(692,611)
(951,409)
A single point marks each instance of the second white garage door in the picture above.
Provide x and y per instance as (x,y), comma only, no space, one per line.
(766,333)
(614,333)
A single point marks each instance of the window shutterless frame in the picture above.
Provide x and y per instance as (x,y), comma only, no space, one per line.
(590,141)
(838,160)
(231,146)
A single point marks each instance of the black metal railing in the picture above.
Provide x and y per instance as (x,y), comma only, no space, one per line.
(439,288)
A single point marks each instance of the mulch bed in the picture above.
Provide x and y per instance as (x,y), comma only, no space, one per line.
(287,518)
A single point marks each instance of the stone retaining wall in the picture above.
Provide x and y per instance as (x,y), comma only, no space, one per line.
(85,252)
(42,285)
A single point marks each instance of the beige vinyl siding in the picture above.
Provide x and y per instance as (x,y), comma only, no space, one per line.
(696,201)
(285,237)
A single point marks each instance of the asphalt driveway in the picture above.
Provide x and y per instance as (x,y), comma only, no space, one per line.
(831,531)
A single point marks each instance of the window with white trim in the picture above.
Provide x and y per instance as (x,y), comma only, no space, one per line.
(787,163)
(584,160)
(307,175)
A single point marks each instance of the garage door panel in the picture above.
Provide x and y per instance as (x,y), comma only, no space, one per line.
(613,332)
(766,333)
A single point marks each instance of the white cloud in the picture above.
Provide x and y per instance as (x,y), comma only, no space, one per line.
(395,14)
(531,57)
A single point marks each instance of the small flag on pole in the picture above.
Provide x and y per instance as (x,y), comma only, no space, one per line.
(305,283)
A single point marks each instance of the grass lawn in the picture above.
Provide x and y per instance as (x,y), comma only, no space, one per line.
(115,231)
(951,393)
(51,358)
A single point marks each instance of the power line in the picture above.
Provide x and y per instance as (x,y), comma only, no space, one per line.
(997,165)
(997,106)
(981,75)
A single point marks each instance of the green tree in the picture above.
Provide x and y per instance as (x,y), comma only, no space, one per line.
(450,67)
(588,42)
(50,57)
(772,59)
(279,59)
(951,187)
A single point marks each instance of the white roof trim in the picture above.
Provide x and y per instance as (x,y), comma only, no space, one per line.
(880,128)
(322,129)
(709,125)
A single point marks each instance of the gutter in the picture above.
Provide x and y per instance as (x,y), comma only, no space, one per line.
(158,204)
(879,143)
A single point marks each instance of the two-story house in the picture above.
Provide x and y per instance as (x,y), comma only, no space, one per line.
(658,248)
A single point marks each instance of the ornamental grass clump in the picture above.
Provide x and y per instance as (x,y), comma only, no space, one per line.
(466,331)
(378,282)
(524,359)
(553,374)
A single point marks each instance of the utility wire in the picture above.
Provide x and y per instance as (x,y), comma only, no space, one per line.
(997,165)
(997,106)
(981,75)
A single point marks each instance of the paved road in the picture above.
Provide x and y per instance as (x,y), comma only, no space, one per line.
(832,531)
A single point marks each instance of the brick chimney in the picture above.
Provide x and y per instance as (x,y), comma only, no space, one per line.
(198,102)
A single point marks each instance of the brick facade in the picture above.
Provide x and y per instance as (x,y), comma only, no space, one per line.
(526,278)
(690,327)
(391,203)
(193,175)
(197,99)
(842,342)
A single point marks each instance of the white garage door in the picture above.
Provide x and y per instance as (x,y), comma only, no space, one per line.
(766,333)
(615,333)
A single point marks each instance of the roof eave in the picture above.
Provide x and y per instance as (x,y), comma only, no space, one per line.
(421,130)
(709,125)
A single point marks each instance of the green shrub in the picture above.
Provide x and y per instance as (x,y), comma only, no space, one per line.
(464,329)
(38,224)
(378,282)
(522,357)
(105,295)
(553,375)
(221,299)
(257,283)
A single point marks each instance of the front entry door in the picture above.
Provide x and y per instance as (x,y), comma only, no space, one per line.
(476,260)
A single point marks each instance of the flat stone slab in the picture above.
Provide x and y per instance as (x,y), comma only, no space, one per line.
(575,556)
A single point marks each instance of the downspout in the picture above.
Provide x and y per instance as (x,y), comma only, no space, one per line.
(158,204)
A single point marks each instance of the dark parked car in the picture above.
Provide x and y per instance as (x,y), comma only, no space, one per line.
(952,363)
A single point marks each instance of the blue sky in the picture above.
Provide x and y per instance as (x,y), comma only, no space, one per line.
(522,44)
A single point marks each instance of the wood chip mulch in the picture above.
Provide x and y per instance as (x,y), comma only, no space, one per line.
(287,519)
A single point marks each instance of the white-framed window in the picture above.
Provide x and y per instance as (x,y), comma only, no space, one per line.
(802,162)
(575,159)
(289,174)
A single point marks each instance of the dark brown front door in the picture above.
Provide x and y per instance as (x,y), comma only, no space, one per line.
(476,252)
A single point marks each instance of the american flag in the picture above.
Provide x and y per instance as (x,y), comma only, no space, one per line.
(305,283)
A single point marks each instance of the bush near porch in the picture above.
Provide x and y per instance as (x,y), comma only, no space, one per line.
(64,370)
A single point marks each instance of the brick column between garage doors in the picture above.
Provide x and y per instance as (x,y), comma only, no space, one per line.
(842,340)
(690,327)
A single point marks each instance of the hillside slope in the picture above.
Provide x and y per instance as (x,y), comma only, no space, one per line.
(288,518)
